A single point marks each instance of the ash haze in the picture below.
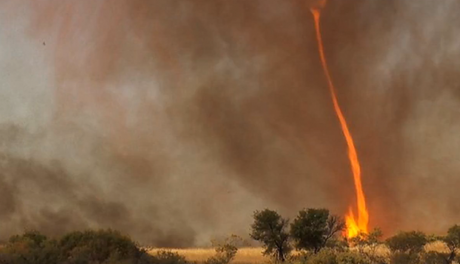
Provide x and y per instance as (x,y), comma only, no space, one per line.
(173,120)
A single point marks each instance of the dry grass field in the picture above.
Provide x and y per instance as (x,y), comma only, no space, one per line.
(254,255)
(244,255)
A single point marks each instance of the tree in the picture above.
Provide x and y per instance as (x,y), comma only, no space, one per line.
(313,228)
(271,229)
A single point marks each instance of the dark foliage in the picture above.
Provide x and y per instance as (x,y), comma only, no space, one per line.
(30,247)
(330,256)
(407,242)
(407,247)
(452,240)
(271,229)
(98,246)
(87,247)
(313,228)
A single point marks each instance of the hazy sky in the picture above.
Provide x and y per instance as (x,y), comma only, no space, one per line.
(173,120)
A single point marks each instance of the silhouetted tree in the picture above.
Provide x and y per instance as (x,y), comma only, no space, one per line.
(271,229)
(313,228)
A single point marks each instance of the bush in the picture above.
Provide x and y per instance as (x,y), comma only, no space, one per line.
(352,257)
(98,246)
(226,251)
(30,247)
(367,245)
(168,257)
(404,258)
(338,244)
(327,256)
(102,247)
(432,257)
(406,247)
(452,241)
(407,242)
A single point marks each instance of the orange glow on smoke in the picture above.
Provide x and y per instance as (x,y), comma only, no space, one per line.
(354,226)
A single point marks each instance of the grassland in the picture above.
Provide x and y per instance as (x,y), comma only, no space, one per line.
(254,255)
(244,255)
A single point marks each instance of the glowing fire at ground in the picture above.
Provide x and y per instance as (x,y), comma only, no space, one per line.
(359,225)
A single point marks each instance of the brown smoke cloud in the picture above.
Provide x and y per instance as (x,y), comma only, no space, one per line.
(174,120)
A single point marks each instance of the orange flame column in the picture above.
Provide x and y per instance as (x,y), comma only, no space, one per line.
(354,226)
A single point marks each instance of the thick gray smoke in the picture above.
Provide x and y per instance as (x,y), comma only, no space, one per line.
(173,120)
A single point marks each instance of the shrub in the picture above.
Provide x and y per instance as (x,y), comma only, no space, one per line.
(97,246)
(404,258)
(452,240)
(168,257)
(406,247)
(101,247)
(30,247)
(367,245)
(327,256)
(352,257)
(330,256)
(32,237)
(407,242)
(226,251)
(433,257)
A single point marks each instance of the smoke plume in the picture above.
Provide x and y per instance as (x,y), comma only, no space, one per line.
(174,120)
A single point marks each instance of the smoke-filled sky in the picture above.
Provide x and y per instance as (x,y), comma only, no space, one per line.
(173,120)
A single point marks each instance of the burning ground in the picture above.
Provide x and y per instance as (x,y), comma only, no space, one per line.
(173,120)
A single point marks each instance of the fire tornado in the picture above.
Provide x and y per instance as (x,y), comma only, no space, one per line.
(359,224)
